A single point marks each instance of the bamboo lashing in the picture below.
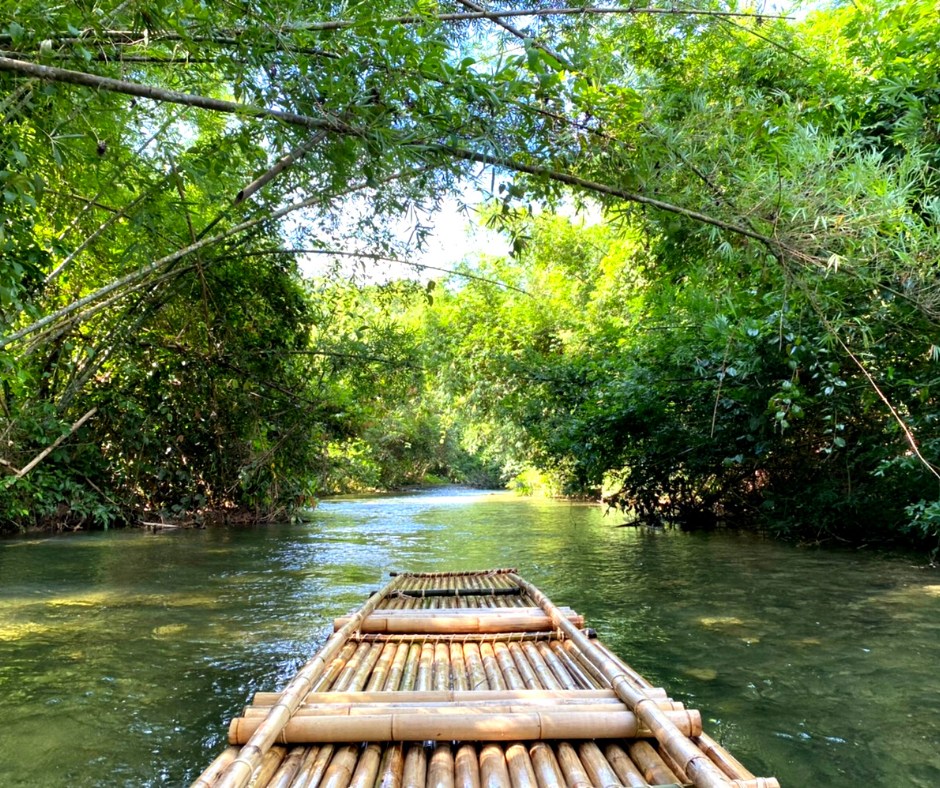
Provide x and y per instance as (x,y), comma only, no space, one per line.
(697,765)
(238,773)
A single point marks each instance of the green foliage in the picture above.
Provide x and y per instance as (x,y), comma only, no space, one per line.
(723,344)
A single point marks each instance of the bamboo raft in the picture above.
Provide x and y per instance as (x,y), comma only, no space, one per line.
(469,679)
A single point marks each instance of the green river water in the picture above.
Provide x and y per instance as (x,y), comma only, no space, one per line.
(123,655)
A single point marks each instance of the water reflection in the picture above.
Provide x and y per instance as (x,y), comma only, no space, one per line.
(122,655)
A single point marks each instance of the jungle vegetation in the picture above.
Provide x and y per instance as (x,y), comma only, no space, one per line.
(721,304)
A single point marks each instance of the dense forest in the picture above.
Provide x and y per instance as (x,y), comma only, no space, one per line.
(721,302)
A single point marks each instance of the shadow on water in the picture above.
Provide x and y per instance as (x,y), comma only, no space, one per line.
(122,655)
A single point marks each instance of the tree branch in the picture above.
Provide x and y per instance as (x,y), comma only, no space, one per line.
(58,442)
(237,36)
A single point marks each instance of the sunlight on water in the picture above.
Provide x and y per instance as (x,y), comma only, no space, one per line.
(123,655)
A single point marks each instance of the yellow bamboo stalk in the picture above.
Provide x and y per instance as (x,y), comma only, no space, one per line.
(627,771)
(458,668)
(425,676)
(546,764)
(269,765)
(556,675)
(493,675)
(525,669)
(239,772)
(380,671)
(288,769)
(476,674)
(441,768)
(455,723)
(361,676)
(393,680)
(410,673)
(367,769)
(441,670)
(583,678)
(552,696)
(520,768)
(493,771)
(595,764)
(443,708)
(723,759)
(339,772)
(571,766)
(393,762)
(455,620)
(467,767)
(508,667)
(654,768)
(414,774)
(215,769)
(314,766)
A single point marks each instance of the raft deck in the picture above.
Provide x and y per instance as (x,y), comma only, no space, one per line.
(469,679)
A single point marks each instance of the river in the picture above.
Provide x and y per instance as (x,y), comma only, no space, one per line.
(123,654)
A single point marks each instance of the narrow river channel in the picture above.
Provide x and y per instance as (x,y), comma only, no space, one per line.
(123,655)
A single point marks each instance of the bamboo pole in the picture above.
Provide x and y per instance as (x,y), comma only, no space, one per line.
(410,667)
(697,765)
(482,573)
(508,667)
(458,668)
(476,673)
(339,772)
(600,706)
(239,771)
(425,676)
(583,678)
(546,764)
(467,767)
(558,670)
(215,769)
(393,763)
(427,697)
(490,664)
(380,671)
(314,766)
(457,591)
(441,767)
(393,680)
(361,676)
(463,637)
(520,768)
(654,768)
(525,669)
(288,769)
(571,766)
(455,620)
(596,765)
(416,757)
(367,769)
(414,773)
(723,759)
(269,765)
(627,771)
(493,771)
(441,669)
(455,723)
